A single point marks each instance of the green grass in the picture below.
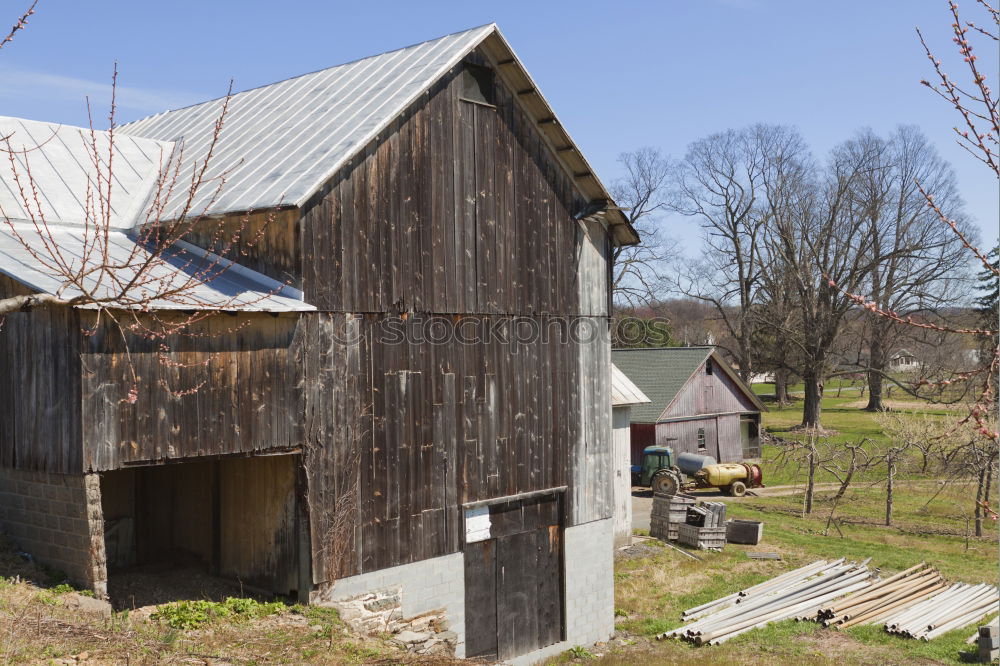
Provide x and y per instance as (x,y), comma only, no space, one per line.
(651,592)
(845,419)
(945,649)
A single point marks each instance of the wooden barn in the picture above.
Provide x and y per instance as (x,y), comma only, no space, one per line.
(697,403)
(403,409)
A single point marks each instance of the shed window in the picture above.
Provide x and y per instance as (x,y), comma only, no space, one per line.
(708,367)
(701,439)
(477,84)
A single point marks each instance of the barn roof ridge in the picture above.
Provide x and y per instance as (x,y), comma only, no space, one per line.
(283,141)
(309,73)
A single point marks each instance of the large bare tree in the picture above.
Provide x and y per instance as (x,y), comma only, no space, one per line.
(638,269)
(721,183)
(918,265)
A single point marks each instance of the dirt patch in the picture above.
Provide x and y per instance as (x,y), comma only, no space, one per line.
(839,647)
(638,550)
(908,405)
(154,584)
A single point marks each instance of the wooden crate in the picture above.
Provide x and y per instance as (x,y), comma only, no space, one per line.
(667,513)
(744,531)
(701,537)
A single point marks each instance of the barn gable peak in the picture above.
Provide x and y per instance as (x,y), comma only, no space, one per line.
(282,142)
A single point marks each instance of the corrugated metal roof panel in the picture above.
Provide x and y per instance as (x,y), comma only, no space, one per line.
(235,288)
(63,163)
(623,391)
(281,142)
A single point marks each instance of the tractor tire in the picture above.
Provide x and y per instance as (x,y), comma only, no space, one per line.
(738,489)
(665,483)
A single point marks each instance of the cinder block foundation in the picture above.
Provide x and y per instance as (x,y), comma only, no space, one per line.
(434,584)
(439,583)
(57,519)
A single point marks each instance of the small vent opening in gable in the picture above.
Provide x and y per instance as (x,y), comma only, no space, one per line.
(477,84)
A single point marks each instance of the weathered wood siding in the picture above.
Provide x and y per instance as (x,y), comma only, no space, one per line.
(460,215)
(39,387)
(457,208)
(708,394)
(227,385)
(722,436)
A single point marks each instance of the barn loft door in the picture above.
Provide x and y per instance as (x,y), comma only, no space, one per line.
(513,577)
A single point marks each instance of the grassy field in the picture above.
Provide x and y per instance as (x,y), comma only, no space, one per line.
(652,590)
(843,416)
(932,523)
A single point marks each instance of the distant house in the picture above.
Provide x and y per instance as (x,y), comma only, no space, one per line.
(903,361)
(697,403)
(624,396)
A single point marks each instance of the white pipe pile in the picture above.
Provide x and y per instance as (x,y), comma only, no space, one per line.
(953,608)
(803,590)
(882,599)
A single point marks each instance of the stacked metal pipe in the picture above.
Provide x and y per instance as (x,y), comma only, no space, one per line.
(952,608)
(882,599)
(802,591)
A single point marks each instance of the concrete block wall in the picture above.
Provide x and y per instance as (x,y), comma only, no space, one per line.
(57,519)
(437,583)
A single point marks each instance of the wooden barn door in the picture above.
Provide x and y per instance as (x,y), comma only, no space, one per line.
(513,578)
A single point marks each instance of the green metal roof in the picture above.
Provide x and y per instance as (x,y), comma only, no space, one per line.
(660,373)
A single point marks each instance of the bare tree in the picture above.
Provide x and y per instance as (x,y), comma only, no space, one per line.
(817,239)
(638,269)
(917,264)
(978,132)
(721,183)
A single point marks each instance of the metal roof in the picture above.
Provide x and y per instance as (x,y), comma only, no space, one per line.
(281,142)
(234,288)
(623,391)
(61,161)
(70,222)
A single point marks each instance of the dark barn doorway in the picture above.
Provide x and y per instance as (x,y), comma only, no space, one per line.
(228,525)
(513,577)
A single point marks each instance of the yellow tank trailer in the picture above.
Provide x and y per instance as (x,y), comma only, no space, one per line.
(732,478)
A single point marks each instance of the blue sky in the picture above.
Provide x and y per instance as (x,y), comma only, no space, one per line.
(620,75)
